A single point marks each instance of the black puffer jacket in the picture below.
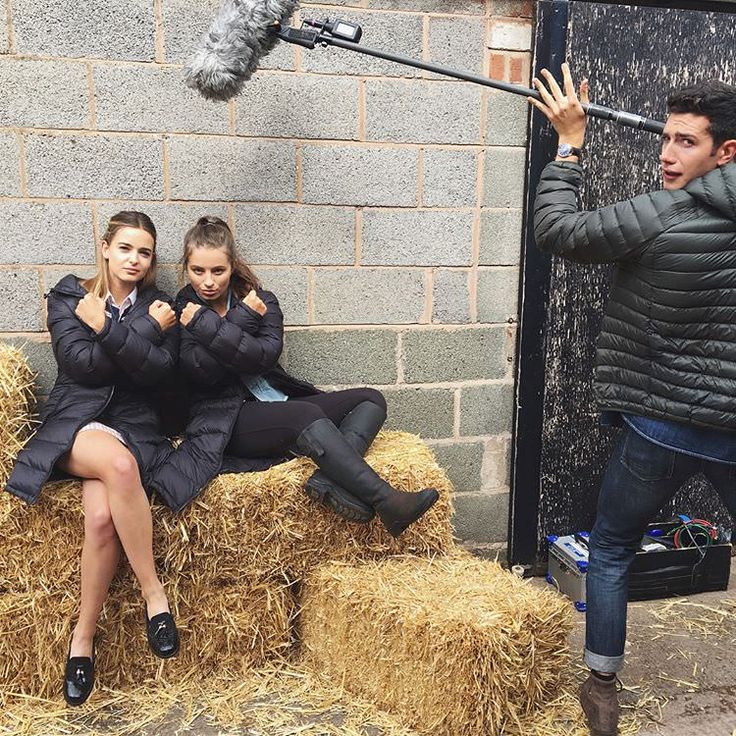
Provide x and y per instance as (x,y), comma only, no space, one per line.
(215,353)
(111,373)
(667,346)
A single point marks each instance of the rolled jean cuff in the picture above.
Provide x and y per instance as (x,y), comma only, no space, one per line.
(599,663)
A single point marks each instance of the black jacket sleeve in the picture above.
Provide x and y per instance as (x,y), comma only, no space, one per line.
(78,352)
(141,349)
(620,232)
(242,341)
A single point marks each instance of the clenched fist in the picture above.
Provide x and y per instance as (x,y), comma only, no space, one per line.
(252,300)
(91,310)
(188,313)
(163,314)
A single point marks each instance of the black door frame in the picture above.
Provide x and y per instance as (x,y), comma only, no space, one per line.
(535,273)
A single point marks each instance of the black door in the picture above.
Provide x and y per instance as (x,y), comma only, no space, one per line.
(633,54)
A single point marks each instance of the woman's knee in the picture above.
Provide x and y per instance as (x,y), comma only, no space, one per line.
(98,525)
(122,471)
(375,397)
(308,414)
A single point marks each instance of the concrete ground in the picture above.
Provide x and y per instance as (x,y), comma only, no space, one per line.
(682,651)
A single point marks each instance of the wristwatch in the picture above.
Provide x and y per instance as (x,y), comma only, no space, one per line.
(564,150)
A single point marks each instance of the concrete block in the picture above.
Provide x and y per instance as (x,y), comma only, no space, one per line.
(498,294)
(458,43)
(4,39)
(422,111)
(481,517)
(497,464)
(172,220)
(392,32)
(451,297)
(41,359)
(162,101)
(290,287)
(511,34)
(51,275)
(220,168)
(504,177)
(48,232)
(486,410)
(10,170)
(514,8)
(348,357)
(21,310)
(437,355)
(360,175)
(292,234)
(417,238)
(507,119)
(424,411)
(43,94)
(169,279)
(185,22)
(298,106)
(449,178)
(368,296)
(500,237)
(463,462)
(98,29)
(94,166)
(428,6)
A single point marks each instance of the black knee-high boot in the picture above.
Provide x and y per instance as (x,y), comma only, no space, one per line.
(359,428)
(323,442)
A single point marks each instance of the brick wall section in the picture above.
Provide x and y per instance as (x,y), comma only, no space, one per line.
(382,204)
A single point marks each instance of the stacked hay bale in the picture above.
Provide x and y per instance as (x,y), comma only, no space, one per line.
(392,619)
(455,646)
(16,399)
(231,564)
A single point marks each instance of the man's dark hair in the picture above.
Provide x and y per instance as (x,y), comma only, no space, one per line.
(715,100)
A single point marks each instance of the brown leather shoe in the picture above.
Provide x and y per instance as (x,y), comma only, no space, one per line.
(600,705)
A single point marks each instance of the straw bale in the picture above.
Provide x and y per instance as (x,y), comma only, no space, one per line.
(264,523)
(229,629)
(452,646)
(243,526)
(16,400)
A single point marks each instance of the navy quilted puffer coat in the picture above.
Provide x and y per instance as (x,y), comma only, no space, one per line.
(216,353)
(667,347)
(114,372)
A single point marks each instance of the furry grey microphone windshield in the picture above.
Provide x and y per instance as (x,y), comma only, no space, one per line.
(229,52)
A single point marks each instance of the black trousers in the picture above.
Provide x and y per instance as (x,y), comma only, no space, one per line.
(270,428)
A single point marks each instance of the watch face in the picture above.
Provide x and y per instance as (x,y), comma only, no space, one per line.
(564,149)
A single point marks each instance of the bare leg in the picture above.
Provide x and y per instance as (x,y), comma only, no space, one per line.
(100,557)
(99,455)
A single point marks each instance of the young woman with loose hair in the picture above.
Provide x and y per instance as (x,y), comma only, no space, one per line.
(114,338)
(247,413)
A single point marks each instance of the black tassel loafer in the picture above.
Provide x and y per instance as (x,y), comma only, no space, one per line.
(79,678)
(163,638)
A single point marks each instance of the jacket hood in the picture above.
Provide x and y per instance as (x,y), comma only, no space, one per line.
(717,189)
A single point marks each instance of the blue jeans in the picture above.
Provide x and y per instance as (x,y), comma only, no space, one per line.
(639,480)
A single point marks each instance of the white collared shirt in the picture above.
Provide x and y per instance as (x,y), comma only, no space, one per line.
(128,302)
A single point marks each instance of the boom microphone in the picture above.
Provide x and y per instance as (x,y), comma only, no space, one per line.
(231,49)
(246,30)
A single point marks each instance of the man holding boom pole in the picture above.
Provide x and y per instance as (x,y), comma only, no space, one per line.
(666,353)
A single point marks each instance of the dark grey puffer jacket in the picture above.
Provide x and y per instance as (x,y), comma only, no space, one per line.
(667,346)
(115,372)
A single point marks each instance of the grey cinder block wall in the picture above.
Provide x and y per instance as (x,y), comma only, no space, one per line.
(382,204)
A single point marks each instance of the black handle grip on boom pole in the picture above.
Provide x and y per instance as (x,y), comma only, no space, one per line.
(319,32)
